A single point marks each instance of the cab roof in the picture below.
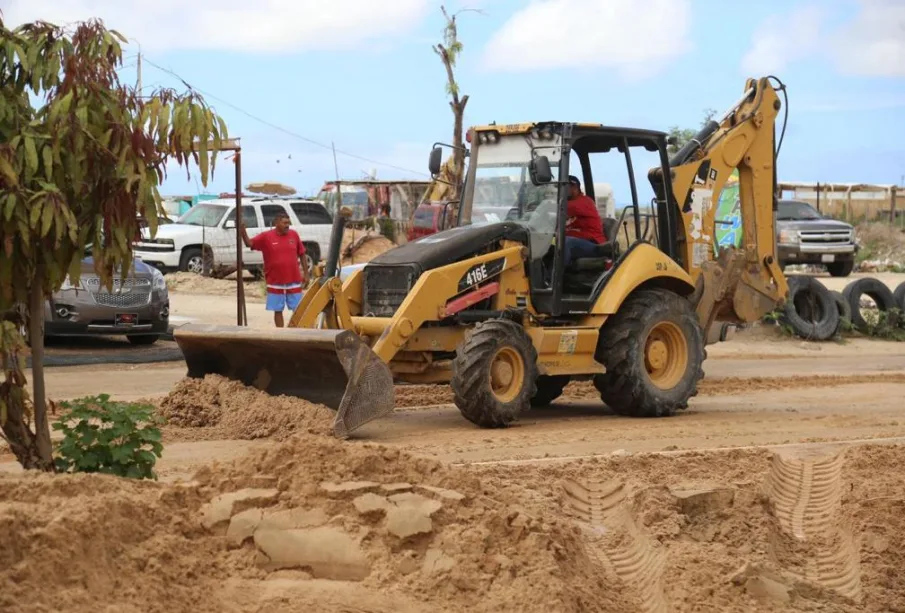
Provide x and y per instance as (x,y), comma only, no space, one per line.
(585,127)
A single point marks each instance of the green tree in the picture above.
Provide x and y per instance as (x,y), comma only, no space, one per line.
(81,156)
(682,136)
(449,51)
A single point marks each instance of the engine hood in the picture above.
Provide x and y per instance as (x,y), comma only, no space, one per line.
(174,230)
(812,225)
(450,246)
(139,269)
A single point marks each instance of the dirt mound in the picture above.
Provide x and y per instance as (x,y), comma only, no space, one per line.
(402,526)
(315,523)
(360,246)
(223,408)
(192,283)
(96,543)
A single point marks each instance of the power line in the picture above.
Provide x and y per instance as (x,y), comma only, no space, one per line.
(275,126)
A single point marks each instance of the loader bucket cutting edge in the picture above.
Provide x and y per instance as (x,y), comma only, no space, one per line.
(330,367)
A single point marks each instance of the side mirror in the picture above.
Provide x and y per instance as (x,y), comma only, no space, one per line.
(540,170)
(229,224)
(672,141)
(435,161)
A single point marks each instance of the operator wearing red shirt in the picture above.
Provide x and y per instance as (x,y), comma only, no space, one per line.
(584,229)
(283,253)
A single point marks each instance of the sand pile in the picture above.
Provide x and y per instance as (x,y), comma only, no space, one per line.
(218,407)
(401,526)
(365,245)
(192,283)
(97,543)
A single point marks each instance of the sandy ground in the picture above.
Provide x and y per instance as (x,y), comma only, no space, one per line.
(771,492)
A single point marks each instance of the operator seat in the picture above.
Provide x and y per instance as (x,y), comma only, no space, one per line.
(605,252)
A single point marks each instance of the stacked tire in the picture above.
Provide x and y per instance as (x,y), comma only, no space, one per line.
(811,311)
(885,299)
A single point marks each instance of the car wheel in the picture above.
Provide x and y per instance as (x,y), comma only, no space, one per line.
(841,269)
(143,339)
(192,261)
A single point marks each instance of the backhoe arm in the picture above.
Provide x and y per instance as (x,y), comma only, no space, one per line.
(741,281)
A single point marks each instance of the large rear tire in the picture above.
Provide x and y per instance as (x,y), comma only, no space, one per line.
(494,374)
(653,350)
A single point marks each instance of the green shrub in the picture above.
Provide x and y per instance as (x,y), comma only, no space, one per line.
(117,438)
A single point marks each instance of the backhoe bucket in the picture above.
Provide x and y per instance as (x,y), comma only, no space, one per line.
(330,367)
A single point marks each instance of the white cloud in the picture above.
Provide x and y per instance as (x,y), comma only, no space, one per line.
(783,39)
(874,43)
(270,26)
(637,37)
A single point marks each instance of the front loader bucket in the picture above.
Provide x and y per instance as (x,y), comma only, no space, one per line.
(330,367)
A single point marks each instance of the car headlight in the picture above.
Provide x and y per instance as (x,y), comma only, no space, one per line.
(789,237)
(160,284)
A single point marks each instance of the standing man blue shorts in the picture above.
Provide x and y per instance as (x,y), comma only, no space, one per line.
(285,265)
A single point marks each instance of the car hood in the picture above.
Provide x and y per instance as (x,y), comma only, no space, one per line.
(140,269)
(173,230)
(813,225)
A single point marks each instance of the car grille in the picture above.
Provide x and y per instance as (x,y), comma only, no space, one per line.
(385,288)
(827,238)
(127,294)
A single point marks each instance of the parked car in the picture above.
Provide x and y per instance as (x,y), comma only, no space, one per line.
(138,307)
(212,223)
(804,236)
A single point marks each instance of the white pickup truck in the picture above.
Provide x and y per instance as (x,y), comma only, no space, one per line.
(212,223)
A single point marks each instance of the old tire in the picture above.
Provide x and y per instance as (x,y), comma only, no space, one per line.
(845,311)
(810,310)
(494,374)
(143,339)
(841,269)
(899,296)
(873,288)
(549,388)
(653,350)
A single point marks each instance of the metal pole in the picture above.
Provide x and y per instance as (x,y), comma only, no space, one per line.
(892,205)
(241,320)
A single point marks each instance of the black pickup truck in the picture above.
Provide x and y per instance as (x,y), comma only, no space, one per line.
(804,236)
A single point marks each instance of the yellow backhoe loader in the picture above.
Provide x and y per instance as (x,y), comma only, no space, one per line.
(491,308)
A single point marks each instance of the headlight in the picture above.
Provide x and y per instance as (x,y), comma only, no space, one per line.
(789,237)
(160,284)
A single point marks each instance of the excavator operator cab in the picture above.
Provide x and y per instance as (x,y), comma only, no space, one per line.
(518,173)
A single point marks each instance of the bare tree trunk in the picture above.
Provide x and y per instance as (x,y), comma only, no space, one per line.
(36,335)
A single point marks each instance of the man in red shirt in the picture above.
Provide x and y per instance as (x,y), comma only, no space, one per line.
(285,265)
(584,229)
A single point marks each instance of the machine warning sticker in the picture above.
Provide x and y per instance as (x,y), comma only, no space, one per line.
(713,174)
(567,341)
(480,273)
(700,254)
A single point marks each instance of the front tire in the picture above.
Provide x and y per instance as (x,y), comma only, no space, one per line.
(841,269)
(494,374)
(653,350)
(192,261)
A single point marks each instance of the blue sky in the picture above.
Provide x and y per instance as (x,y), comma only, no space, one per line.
(362,74)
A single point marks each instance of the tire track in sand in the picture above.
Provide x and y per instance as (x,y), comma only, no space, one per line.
(416,396)
(616,541)
(810,538)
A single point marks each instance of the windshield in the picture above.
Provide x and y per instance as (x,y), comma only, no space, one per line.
(207,215)
(789,211)
(502,185)
(424,218)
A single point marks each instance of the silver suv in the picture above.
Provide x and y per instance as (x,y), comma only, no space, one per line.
(138,307)
(804,236)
